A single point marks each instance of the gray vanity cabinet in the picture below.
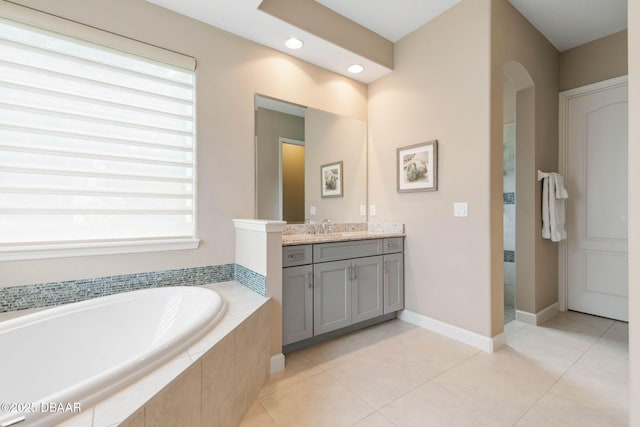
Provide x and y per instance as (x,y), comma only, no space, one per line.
(393,274)
(346,292)
(335,285)
(393,282)
(348,282)
(366,288)
(297,294)
(331,296)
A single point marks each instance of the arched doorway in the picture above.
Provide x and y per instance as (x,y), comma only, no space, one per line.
(518,189)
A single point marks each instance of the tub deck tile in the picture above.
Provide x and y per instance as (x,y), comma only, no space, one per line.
(125,406)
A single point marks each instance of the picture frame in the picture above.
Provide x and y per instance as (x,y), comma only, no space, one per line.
(417,167)
(331,180)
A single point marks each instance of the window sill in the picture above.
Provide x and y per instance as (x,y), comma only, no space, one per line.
(61,250)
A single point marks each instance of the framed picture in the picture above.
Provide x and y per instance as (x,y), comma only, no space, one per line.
(418,167)
(331,179)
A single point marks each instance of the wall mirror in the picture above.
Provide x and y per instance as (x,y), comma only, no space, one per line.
(293,143)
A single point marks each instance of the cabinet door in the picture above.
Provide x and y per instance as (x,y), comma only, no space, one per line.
(331,296)
(393,282)
(366,288)
(297,303)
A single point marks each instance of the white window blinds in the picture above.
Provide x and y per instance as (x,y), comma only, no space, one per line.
(96,144)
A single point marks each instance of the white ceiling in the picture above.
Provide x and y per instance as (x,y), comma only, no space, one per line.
(566,23)
(570,23)
(242,17)
(391,19)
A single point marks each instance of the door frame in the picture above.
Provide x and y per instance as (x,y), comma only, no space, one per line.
(565,98)
(282,140)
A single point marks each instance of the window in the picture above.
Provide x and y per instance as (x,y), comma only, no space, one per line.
(96,144)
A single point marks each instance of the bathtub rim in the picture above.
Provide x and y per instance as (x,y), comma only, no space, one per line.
(97,389)
(128,403)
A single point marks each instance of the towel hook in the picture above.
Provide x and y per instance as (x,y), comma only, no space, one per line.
(542,175)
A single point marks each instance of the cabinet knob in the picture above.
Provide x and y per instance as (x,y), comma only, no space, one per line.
(310,279)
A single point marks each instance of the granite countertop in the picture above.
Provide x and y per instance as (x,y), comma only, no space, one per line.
(302,239)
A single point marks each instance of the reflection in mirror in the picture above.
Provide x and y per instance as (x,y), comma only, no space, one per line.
(292,143)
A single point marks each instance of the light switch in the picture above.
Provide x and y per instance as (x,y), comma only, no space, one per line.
(372,210)
(312,210)
(460,209)
(363,210)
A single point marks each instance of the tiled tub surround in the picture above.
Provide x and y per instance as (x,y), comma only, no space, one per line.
(211,384)
(54,293)
(298,234)
(83,352)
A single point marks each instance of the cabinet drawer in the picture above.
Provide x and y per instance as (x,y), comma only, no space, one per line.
(393,245)
(324,252)
(296,255)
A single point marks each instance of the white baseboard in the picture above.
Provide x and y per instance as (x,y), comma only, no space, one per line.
(547,313)
(471,338)
(526,317)
(277,363)
(538,318)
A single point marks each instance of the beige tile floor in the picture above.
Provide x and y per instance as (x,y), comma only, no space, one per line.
(571,371)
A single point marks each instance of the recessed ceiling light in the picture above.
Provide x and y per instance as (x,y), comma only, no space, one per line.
(355,68)
(293,43)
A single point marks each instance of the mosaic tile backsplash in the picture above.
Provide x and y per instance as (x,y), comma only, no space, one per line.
(54,293)
(509,198)
(509,256)
(252,280)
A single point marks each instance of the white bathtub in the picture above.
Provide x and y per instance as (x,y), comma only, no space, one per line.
(57,361)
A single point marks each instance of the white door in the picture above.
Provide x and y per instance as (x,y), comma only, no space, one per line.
(596,179)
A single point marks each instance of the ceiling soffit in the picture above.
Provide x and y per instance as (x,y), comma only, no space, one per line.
(319,20)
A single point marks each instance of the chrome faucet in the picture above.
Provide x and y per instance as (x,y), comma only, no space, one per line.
(327,228)
(311,228)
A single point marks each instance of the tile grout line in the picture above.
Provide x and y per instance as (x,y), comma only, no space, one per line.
(377,411)
(315,365)
(548,390)
(412,389)
(430,380)
(458,394)
(363,345)
(267,412)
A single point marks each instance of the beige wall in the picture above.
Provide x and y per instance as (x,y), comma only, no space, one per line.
(440,90)
(515,39)
(230,71)
(593,62)
(634,208)
(270,126)
(328,139)
(447,85)
(508,101)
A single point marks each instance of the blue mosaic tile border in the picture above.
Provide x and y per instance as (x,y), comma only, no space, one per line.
(509,256)
(509,198)
(54,293)
(252,280)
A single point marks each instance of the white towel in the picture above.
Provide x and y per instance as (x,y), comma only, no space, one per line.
(553,198)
